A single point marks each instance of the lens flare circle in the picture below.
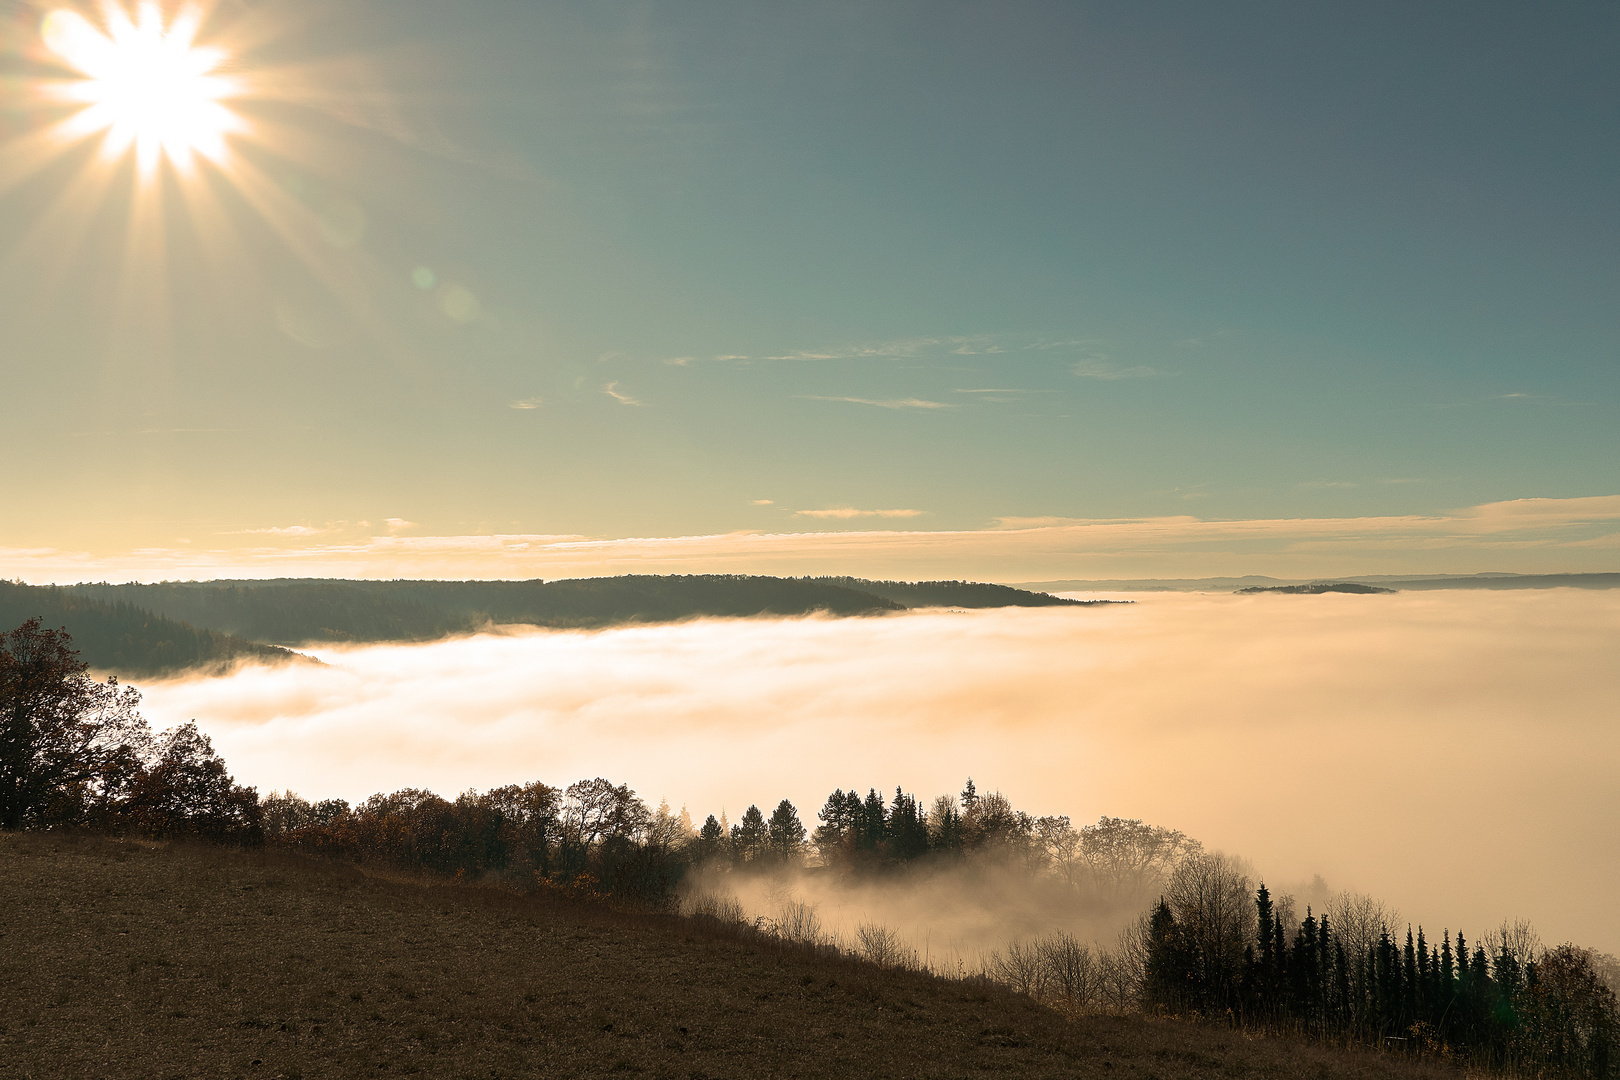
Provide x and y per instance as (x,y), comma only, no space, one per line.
(146,86)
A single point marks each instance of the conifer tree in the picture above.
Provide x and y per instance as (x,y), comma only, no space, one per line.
(749,835)
(872,823)
(1409,982)
(785,833)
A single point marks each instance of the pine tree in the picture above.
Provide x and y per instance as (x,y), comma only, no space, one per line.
(873,825)
(836,831)
(750,835)
(1168,977)
(907,827)
(785,833)
(1267,934)
(1409,983)
(1342,1007)
(1265,977)
(1425,980)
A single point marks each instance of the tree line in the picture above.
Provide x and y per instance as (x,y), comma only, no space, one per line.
(1211,946)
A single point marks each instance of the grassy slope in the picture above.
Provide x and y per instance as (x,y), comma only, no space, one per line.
(129,959)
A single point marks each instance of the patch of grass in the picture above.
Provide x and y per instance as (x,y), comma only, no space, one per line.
(133,959)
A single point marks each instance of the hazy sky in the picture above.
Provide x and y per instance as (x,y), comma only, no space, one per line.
(630,270)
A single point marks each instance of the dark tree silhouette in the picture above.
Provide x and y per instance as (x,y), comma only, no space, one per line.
(188,792)
(785,832)
(748,837)
(65,739)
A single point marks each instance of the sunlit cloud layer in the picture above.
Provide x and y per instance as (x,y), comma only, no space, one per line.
(1451,752)
(1543,535)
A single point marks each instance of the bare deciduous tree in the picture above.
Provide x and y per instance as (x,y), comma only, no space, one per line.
(1212,898)
(1131,859)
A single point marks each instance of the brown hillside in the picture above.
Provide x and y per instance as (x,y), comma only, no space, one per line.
(122,959)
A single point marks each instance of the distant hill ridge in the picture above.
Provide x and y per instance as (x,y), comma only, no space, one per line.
(1399,582)
(119,636)
(967,594)
(170,626)
(1320,587)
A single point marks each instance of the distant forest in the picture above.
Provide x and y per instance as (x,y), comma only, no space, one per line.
(119,636)
(150,629)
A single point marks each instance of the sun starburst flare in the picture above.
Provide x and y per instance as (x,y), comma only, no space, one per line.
(146,86)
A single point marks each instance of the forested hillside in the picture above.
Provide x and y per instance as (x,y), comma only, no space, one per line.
(291,611)
(154,629)
(120,637)
(294,611)
(959,594)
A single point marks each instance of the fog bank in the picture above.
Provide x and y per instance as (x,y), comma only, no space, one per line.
(1457,754)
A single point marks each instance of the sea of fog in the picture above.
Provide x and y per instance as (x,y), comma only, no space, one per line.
(1456,754)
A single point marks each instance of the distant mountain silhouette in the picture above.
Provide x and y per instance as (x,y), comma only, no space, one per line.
(1509,581)
(124,639)
(1318,588)
(1401,582)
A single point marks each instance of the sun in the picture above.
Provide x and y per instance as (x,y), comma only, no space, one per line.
(146,85)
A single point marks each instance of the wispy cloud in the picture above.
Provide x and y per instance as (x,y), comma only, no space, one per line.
(396,525)
(1100,367)
(899,347)
(612,390)
(1070,343)
(844,513)
(281,530)
(1092,363)
(884,403)
(986,390)
(527,403)
(762,502)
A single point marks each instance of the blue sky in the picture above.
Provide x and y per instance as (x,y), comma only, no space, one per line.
(971,262)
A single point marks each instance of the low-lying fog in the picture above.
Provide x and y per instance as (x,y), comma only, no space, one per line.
(1457,754)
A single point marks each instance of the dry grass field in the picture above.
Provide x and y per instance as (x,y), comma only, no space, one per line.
(126,959)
